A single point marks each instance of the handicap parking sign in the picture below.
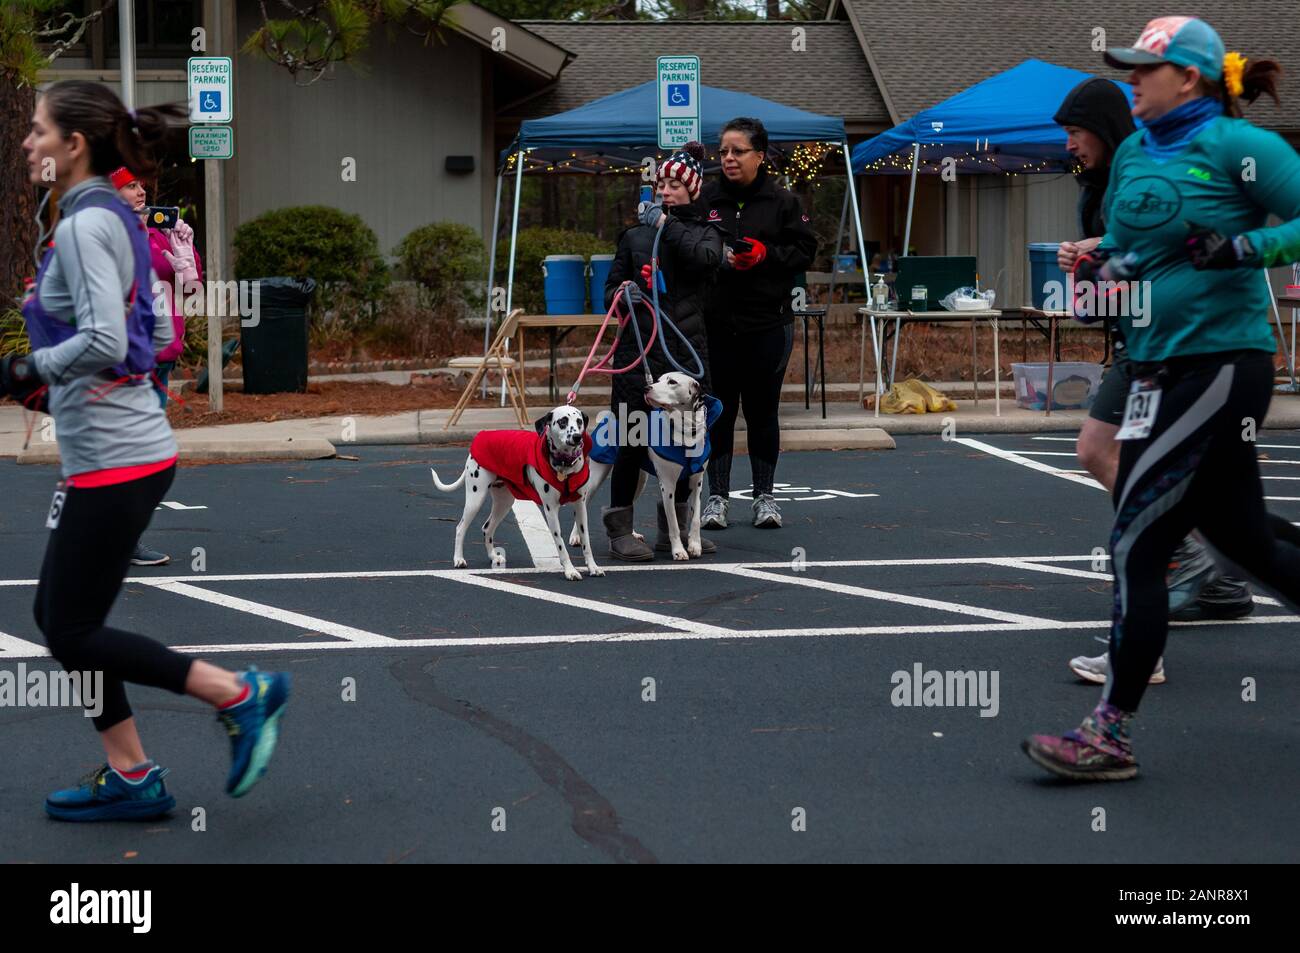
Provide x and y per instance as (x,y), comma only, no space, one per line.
(209,100)
(679,94)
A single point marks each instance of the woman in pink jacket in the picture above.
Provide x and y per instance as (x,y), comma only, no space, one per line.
(174,258)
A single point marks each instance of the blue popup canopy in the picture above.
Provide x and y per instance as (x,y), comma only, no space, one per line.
(618,132)
(1003,124)
(623,125)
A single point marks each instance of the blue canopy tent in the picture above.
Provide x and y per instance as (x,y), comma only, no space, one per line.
(1003,124)
(618,132)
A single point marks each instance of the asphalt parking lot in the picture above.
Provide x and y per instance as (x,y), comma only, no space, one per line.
(741,707)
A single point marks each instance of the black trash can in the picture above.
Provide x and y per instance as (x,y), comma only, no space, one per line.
(275,347)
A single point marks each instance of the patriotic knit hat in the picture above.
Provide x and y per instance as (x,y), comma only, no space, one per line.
(122,177)
(687,167)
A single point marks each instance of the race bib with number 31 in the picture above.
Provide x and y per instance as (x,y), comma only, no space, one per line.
(1140,411)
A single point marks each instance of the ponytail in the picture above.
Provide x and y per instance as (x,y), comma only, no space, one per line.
(114,136)
(1243,80)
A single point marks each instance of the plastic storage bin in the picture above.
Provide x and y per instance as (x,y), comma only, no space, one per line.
(1043,269)
(1074,385)
(564,284)
(598,271)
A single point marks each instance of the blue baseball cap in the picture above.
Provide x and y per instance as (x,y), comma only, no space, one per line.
(1184,41)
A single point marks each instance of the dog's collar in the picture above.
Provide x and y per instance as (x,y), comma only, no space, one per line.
(560,461)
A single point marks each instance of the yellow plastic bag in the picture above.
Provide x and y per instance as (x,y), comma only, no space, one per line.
(915,397)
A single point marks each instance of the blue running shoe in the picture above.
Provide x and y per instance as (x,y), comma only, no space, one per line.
(105,795)
(254,728)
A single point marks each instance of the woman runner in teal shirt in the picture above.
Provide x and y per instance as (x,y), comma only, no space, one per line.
(1187,204)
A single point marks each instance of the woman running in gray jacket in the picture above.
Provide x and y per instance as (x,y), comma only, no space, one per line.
(90,318)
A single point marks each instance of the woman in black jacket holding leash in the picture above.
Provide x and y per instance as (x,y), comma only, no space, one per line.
(750,316)
(690,252)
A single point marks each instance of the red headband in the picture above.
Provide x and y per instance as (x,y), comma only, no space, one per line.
(122,177)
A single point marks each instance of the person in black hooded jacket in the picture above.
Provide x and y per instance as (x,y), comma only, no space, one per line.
(750,313)
(1097,117)
(690,252)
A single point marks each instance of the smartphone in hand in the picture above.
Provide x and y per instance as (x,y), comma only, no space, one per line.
(162,217)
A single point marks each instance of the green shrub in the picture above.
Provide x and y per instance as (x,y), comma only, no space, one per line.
(336,248)
(533,245)
(448,261)
(13,333)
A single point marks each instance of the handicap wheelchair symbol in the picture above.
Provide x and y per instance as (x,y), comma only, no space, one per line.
(785,491)
(679,94)
(210,101)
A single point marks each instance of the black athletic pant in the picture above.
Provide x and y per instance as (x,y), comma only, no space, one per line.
(627,473)
(86,560)
(747,368)
(1196,469)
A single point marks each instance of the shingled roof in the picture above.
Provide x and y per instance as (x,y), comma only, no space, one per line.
(922,53)
(830,78)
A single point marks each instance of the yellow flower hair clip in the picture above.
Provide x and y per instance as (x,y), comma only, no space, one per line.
(1234,65)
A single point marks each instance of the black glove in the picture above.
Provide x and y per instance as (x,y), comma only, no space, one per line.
(1210,249)
(18,377)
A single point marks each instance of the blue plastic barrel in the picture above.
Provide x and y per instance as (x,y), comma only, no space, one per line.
(599,271)
(566,291)
(1046,277)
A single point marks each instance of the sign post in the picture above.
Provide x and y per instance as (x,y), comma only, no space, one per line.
(211,91)
(679,100)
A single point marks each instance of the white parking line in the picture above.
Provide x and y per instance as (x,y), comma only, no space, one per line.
(11,647)
(565,597)
(953,607)
(537,535)
(491,573)
(723,634)
(1024,461)
(324,627)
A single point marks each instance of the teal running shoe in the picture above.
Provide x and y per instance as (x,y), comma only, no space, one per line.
(254,728)
(106,795)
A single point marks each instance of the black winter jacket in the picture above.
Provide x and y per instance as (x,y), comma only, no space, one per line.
(1099,106)
(690,251)
(758,298)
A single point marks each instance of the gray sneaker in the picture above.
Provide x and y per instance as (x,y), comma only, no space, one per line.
(1097,668)
(766,514)
(715,513)
(144,556)
(1190,568)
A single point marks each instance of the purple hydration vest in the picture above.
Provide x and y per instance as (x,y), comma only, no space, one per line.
(45,330)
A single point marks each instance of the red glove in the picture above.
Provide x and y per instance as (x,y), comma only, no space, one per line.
(647,275)
(746,260)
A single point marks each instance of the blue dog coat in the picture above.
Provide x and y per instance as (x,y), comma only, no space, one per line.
(605,440)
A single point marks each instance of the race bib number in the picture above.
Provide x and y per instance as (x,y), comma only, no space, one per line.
(1140,411)
(56,508)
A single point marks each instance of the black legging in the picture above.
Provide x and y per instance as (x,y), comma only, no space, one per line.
(1196,469)
(86,560)
(748,368)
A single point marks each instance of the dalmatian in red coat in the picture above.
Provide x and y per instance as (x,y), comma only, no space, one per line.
(548,467)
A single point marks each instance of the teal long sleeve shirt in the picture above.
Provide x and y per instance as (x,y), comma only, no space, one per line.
(1231,176)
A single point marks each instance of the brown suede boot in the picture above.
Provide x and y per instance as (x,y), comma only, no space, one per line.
(662,544)
(622,544)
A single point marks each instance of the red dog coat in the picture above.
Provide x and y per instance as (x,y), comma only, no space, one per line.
(506,452)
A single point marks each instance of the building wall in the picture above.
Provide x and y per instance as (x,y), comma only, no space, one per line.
(411,108)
